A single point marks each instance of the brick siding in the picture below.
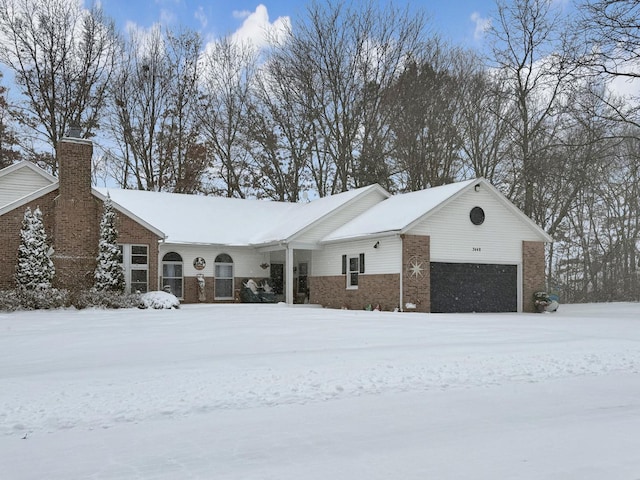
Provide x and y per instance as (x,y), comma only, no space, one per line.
(331,291)
(416,288)
(533,272)
(191,294)
(383,289)
(190,289)
(75,231)
(71,216)
(10,226)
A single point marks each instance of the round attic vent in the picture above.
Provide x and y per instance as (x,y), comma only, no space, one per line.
(477,216)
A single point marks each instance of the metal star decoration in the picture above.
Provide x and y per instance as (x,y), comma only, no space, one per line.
(416,268)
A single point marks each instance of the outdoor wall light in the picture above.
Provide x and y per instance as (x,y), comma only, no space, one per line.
(376,245)
(477,187)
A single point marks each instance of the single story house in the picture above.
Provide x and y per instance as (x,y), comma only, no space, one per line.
(462,247)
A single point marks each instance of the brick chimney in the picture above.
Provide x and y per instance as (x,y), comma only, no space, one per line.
(75,234)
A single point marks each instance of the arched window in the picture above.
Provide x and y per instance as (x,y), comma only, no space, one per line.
(223,277)
(172,273)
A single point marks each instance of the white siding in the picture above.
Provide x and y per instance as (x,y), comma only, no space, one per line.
(337,219)
(455,239)
(20,183)
(384,259)
(246,261)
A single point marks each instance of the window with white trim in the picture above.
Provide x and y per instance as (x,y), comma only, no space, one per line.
(135,264)
(352,267)
(172,273)
(223,273)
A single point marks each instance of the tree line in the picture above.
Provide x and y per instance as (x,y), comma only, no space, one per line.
(354,93)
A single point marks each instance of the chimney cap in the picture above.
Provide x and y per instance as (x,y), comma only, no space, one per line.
(74,131)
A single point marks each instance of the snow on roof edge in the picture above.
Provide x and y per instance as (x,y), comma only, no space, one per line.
(131,215)
(363,191)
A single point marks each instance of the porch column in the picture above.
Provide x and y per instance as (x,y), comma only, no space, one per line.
(288,277)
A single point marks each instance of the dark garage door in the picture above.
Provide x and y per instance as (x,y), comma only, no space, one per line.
(473,287)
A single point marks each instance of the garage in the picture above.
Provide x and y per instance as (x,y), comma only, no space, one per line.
(473,287)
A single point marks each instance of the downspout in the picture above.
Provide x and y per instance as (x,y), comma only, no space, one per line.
(401,273)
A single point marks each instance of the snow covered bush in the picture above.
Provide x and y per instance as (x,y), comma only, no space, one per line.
(107,300)
(159,300)
(9,301)
(42,298)
(109,275)
(35,270)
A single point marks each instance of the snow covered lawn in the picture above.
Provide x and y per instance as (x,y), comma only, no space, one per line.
(277,392)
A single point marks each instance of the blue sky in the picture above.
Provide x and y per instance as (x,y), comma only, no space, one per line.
(457,20)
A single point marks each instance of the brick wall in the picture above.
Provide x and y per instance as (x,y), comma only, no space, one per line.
(10,226)
(533,272)
(191,293)
(76,231)
(74,167)
(331,291)
(71,216)
(416,285)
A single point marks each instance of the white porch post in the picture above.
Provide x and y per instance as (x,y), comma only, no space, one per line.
(289,275)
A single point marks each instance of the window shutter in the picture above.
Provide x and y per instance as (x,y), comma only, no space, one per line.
(362,263)
(344,264)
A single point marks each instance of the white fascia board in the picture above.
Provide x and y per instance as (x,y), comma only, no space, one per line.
(279,246)
(28,198)
(31,166)
(388,233)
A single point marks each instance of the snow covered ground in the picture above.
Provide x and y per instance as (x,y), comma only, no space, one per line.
(277,392)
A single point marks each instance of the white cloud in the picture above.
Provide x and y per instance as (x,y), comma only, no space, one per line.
(482,25)
(201,17)
(241,14)
(257,29)
(167,17)
(625,87)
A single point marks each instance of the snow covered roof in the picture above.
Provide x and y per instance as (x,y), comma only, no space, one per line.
(197,219)
(307,214)
(398,212)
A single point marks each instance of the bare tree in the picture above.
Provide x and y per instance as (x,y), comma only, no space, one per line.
(8,138)
(613,27)
(182,144)
(153,101)
(348,54)
(485,117)
(602,259)
(62,57)
(425,104)
(281,130)
(228,72)
(532,52)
